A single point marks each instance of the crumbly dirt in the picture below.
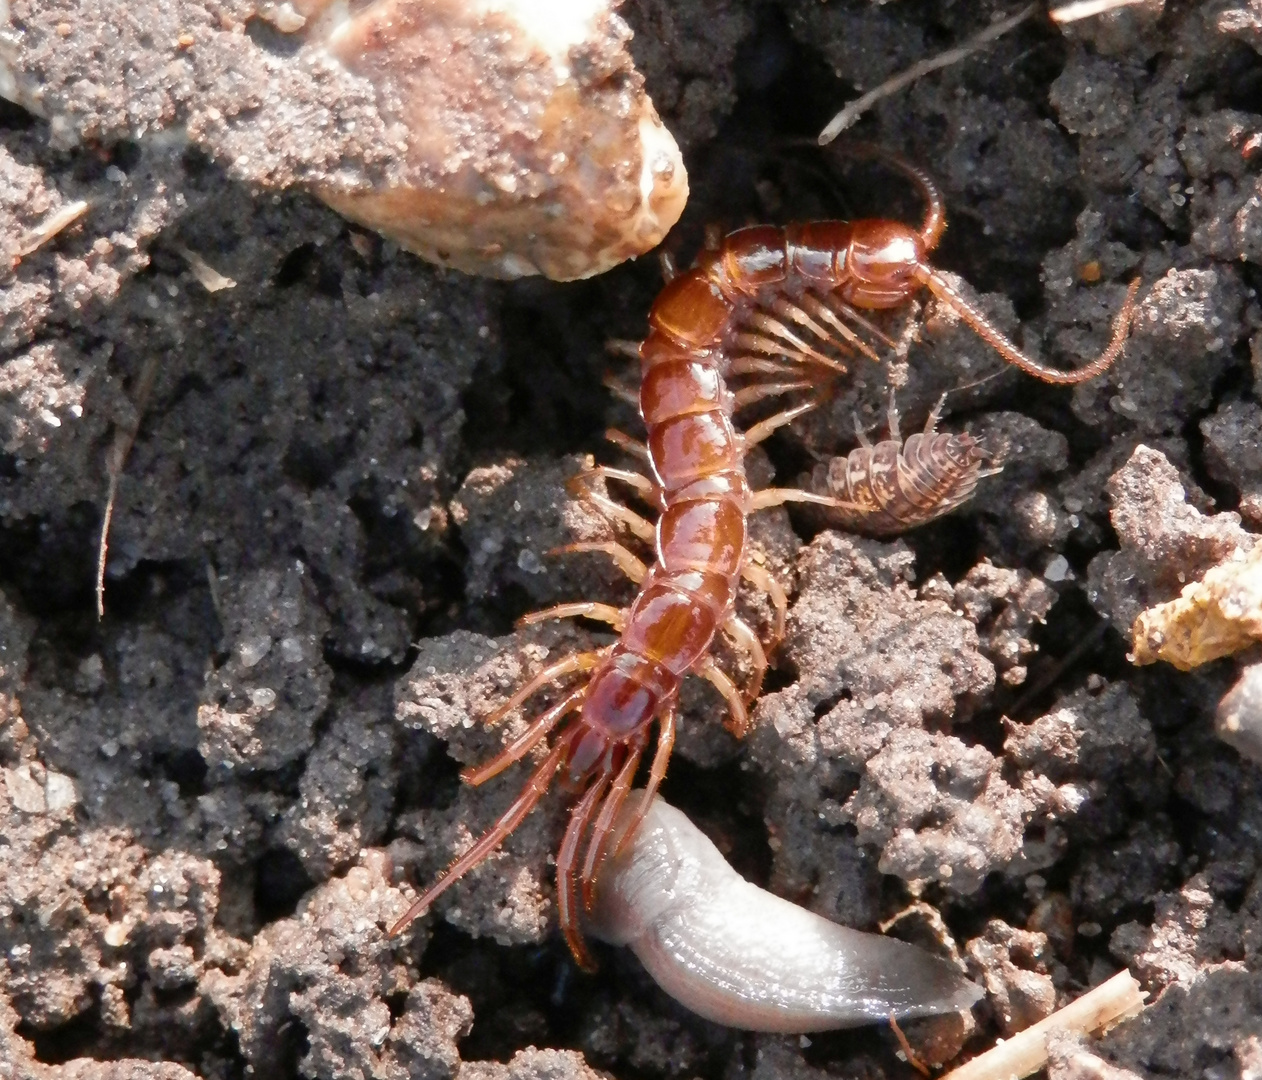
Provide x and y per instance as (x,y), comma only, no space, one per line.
(348,468)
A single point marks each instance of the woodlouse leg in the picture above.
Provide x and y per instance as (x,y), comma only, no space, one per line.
(525,742)
(739,631)
(567,906)
(597,846)
(738,720)
(642,528)
(763,579)
(628,562)
(641,483)
(578,662)
(526,801)
(990,334)
(606,613)
(628,445)
(763,428)
(657,773)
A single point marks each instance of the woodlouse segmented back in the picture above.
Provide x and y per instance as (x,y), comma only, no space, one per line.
(898,485)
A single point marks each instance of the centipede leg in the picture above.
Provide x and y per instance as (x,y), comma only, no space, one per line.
(763,428)
(739,631)
(769,497)
(738,717)
(657,773)
(567,906)
(519,747)
(627,561)
(598,844)
(526,801)
(578,662)
(606,613)
(623,393)
(762,579)
(614,511)
(638,481)
(748,395)
(628,445)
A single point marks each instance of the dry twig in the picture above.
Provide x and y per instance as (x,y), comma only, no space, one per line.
(1086,9)
(1097,1010)
(50,227)
(859,106)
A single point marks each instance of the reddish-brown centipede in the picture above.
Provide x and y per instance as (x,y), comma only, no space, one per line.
(745,312)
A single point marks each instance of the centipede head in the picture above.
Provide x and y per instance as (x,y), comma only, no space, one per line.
(882,259)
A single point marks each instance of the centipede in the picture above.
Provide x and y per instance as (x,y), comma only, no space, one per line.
(769,312)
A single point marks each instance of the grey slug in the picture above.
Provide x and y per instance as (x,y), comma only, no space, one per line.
(741,956)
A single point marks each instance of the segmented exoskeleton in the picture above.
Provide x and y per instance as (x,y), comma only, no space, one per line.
(769,312)
(896,485)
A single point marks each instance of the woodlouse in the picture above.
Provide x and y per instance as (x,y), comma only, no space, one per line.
(744,311)
(898,485)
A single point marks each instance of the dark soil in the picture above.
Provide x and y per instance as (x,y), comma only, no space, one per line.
(347,471)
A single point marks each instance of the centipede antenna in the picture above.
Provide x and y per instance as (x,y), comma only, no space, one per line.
(526,801)
(990,334)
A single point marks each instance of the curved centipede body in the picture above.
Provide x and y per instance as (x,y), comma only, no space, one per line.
(769,312)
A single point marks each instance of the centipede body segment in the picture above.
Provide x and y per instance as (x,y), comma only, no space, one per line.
(770,313)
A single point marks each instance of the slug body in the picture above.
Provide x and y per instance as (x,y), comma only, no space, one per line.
(743,957)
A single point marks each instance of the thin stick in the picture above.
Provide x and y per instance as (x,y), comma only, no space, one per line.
(124,439)
(49,227)
(1086,9)
(1026,1053)
(859,106)
(913,1059)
